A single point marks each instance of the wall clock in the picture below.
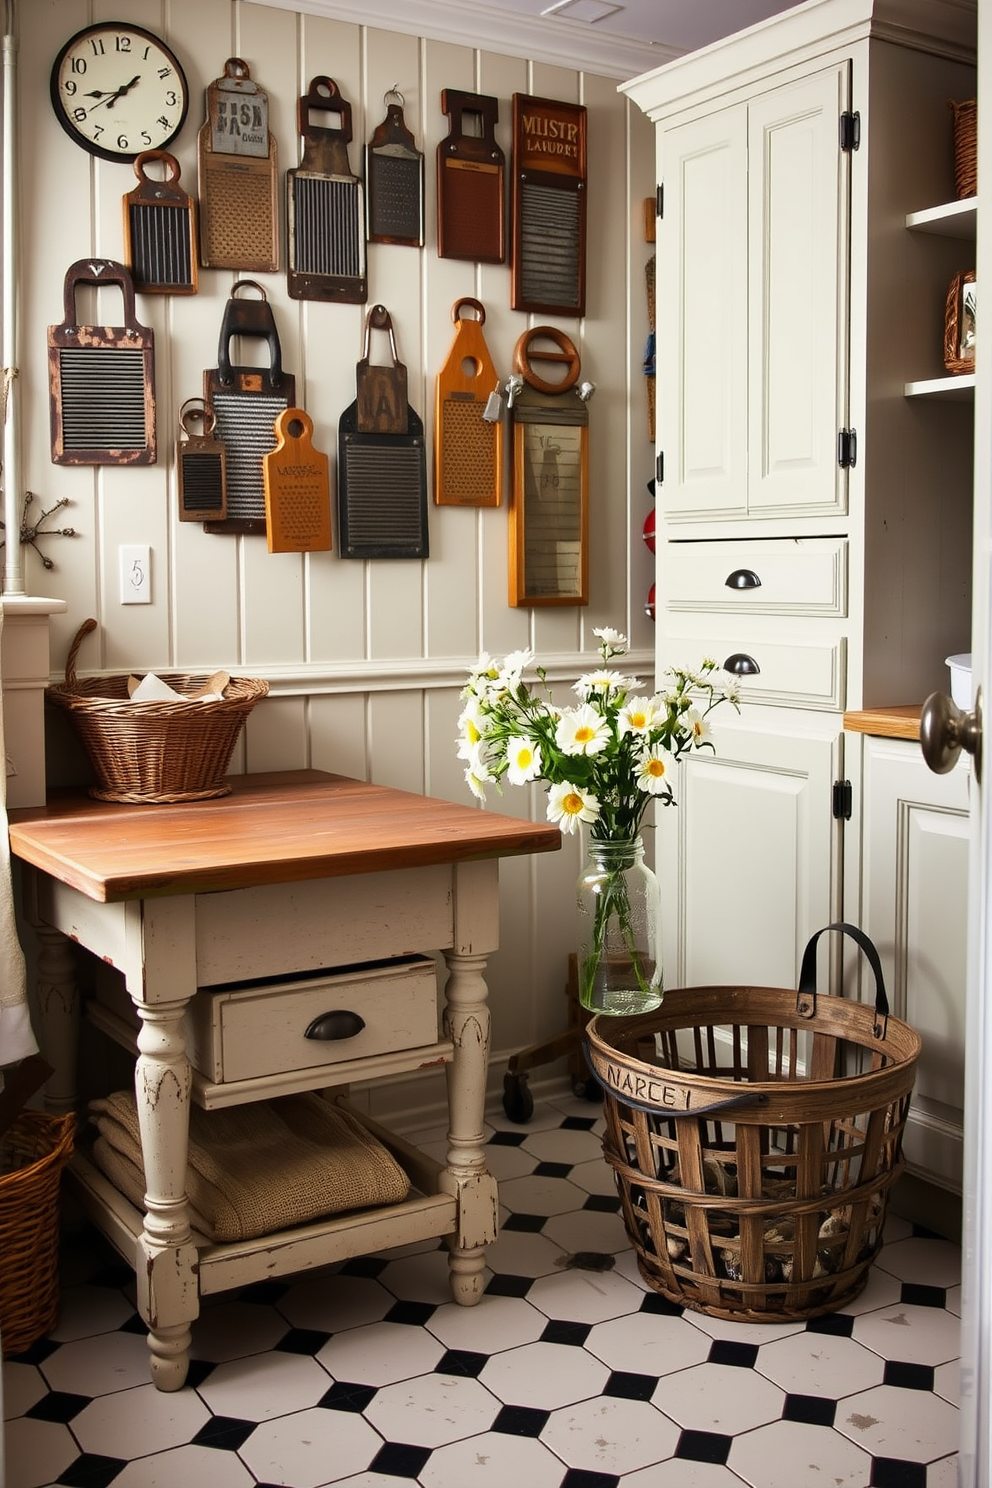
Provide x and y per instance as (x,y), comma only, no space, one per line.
(118,90)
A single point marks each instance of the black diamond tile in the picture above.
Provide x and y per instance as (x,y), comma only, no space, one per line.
(603,1203)
(43,1349)
(415,1314)
(704,1446)
(920,1232)
(728,1351)
(114,1275)
(92,1471)
(810,1409)
(908,1376)
(507,1139)
(626,1386)
(559,1331)
(58,1405)
(399,1460)
(915,1295)
(198,1371)
(509,1286)
(837,1324)
(224,1432)
(302,1341)
(553,1170)
(265,1293)
(530,1224)
(134,1324)
(890,1472)
(462,1362)
(364,1266)
(345,1396)
(520,1420)
(580,1477)
(578,1123)
(661,1306)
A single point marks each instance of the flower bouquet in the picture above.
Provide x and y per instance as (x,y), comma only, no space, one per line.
(605,759)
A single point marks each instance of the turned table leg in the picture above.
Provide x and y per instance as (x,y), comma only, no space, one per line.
(466,1024)
(166,1268)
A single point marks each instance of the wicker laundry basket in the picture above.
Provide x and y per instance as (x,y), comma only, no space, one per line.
(155,753)
(964,116)
(33,1153)
(755,1134)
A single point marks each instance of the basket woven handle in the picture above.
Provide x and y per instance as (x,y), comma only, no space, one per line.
(806,995)
(77,641)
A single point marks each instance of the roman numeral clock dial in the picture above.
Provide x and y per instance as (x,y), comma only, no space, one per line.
(117,90)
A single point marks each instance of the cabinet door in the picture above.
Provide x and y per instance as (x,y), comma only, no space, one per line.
(799,192)
(914,897)
(702,316)
(750,856)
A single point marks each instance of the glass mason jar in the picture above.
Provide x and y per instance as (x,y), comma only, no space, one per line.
(619,951)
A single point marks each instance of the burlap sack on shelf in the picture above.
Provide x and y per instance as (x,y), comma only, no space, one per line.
(258,1168)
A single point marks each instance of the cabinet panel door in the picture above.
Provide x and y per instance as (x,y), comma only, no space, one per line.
(749,857)
(798,233)
(702,313)
(915,909)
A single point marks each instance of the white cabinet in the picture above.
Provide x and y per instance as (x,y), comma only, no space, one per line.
(914,895)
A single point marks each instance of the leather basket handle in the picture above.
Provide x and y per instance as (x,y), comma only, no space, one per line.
(806,995)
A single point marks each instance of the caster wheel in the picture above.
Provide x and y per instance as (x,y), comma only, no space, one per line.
(589,1090)
(518,1103)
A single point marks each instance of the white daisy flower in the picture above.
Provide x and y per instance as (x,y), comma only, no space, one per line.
(603,683)
(514,665)
(637,716)
(698,726)
(568,805)
(475,785)
(582,731)
(656,771)
(612,639)
(524,761)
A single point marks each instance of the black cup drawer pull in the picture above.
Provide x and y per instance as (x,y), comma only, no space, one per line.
(340,1024)
(741,665)
(742,578)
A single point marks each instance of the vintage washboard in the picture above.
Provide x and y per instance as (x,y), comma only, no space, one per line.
(471,219)
(246,402)
(394,175)
(549,518)
(325,206)
(238,176)
(297,488)
(201,461)
(468,449)
(101,378)
(382,462)
(160,245)
(548,261)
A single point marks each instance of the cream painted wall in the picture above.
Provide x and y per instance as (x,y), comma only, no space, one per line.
(365,659)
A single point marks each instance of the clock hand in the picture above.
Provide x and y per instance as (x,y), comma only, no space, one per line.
(110,99)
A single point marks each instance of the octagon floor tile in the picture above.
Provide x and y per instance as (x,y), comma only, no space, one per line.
(335,1303)
(232,1330)
(99,1365)
(37,1452)
(264,1385)
(927,1262)
(310,1447)
(433,1410)
(492,1460)
(820,1364)
(786,1454)
(380,1354)
(23,1386)
(914,1335)
(538,1194)
(495,1323)
(585,1296)
(133,1423)
(544,1375)
(587,1230)
(912,1425)
(611,1435)
(87,1310)
(719,1398)
(189,1465)
(648,1343)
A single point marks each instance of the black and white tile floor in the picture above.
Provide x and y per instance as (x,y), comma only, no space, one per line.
(367,1376)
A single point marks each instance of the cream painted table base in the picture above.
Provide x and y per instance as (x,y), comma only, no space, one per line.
(295,872)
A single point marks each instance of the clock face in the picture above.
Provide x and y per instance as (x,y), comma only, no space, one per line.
(117,90)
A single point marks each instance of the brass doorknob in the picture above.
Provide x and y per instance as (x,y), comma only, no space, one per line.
(945,730)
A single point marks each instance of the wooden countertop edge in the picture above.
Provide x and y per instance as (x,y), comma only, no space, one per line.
(897,722)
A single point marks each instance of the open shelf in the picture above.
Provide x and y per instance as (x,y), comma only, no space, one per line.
(961,386)
(956,219)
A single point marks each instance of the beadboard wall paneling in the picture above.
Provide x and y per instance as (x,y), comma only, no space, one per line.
(366,659)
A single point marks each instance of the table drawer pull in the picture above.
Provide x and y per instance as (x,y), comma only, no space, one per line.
(339,1024)
(742,578)
(741,665)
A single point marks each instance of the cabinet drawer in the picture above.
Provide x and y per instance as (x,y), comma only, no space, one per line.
(802,576)
(810,675)
(240,1033)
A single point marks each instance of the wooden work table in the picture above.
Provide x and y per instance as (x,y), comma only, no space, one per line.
(338,883)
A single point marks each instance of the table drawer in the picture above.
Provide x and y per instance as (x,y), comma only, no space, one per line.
(792,576)
(241,1033)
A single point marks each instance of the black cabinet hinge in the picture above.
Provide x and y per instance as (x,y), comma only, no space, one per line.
(843,803)
(850,131)
(659,467)
(659,200)
(847,448)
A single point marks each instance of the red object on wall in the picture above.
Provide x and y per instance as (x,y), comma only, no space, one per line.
(647,531)
(649,607)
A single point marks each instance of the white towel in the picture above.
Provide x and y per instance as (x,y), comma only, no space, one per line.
(17,1038)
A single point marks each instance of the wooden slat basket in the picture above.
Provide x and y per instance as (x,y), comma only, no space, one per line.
(755,1134)
(155,753)
(33,1152)
(964,116)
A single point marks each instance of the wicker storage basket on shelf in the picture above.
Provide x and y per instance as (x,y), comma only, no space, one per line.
(33,1153)
(155,753)
(954,361)
(965,121)
(755,1134)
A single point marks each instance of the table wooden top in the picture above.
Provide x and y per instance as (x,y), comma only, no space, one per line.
(274,828)
(886,723)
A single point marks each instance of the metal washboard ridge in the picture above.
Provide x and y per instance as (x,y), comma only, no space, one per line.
(325,205)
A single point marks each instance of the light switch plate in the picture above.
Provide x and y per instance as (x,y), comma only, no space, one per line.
(136,573)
